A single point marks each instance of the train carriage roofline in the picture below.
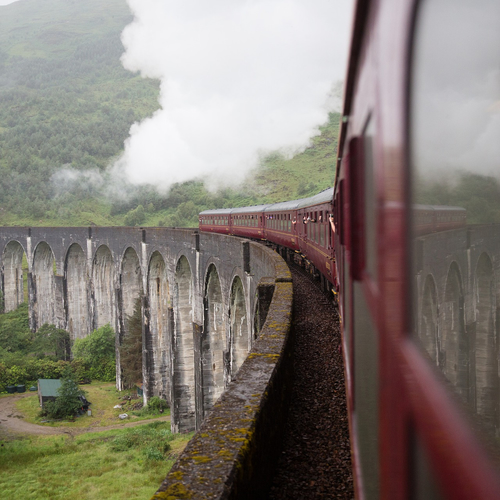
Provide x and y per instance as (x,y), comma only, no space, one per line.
(249,210)
(217,211)
(440,208)
(283,206)
(325,196)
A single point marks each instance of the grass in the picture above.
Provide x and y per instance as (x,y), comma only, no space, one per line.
(103,397)
(118,464)
(122,463)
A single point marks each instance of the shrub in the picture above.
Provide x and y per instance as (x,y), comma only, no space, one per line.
(155,404)
(16,375)
(3,377)
(152,453)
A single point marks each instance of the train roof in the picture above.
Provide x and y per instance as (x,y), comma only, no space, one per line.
(283,205)
(441,208)
(217,211)
(249,210)
(323,197)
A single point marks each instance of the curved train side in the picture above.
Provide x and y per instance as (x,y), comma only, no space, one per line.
(304,226)
(299,225)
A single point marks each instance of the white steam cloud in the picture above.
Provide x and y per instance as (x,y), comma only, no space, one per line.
(456,108)
(239,78)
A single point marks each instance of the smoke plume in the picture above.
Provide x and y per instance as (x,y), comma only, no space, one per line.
(239,78)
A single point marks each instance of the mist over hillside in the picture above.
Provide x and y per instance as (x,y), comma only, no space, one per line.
(66,109)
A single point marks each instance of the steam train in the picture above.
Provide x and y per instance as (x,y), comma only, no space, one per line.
(304,226)
(300,226)
(419,104)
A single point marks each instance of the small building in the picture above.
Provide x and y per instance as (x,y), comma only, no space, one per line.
(47,389)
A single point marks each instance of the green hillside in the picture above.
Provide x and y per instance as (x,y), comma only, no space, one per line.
(66,101)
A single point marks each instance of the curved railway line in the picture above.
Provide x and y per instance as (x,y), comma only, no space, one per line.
(316,459)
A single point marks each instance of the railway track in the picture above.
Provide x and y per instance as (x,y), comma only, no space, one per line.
(316,457)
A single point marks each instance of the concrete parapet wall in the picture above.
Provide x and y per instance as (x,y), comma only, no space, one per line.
(234,452)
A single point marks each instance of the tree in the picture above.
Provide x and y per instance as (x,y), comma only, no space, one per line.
(98,352)
(49,340)
(131,348)
(135,217)
(98,345)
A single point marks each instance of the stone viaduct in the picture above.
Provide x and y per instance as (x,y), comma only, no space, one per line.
(457,318)
(203,299)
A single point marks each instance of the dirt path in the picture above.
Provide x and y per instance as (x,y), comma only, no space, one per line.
(11,421)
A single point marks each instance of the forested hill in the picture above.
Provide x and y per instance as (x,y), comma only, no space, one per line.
(66,101)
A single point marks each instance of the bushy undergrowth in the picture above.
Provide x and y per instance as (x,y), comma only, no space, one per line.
(155,406)
(26,361)
(152,440)
(30,371)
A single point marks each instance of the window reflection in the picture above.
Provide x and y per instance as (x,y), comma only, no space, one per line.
(455,158)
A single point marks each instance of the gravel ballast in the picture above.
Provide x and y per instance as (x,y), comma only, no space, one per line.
(316,458)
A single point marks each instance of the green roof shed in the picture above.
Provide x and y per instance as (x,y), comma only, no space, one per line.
(47,389)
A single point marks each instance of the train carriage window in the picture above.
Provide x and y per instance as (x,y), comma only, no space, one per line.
(455,213)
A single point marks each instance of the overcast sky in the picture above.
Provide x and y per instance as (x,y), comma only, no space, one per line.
(239,78)
(6,2)
(456,110)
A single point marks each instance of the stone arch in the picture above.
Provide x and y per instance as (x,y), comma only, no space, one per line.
(130,284)
(484,358)
(130,295)
(238,324)
(77,309)
(453,357)
(213,341)
(103,279)
(13,283)
(158,336)
(184,408)
(44,303)
(429,333)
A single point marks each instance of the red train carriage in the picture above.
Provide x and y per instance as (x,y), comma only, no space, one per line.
(215,221)
(282,225)
(248,222)
(419,316)
(299,225)
(430,218)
